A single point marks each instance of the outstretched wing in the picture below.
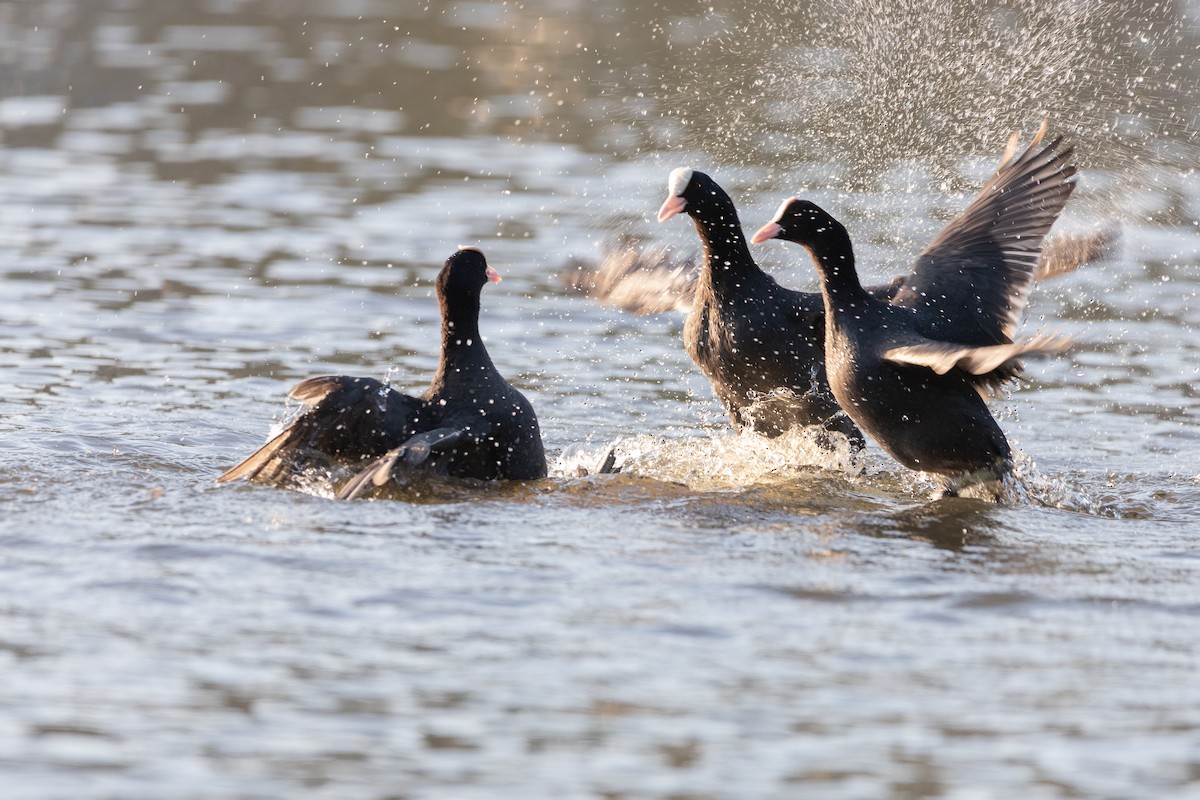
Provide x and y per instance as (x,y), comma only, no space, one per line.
(636,278)
(412,453)
(977,273)
(988,366)
(347,418)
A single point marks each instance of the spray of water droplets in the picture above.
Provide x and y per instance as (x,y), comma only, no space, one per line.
(871,82)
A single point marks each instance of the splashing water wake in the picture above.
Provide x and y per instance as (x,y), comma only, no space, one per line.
(803,458)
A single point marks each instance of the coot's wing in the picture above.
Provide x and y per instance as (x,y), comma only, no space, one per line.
(988,366)
(1066,252)
(971,284)
(636,278)
(348,418)
(413,452)
(887,291)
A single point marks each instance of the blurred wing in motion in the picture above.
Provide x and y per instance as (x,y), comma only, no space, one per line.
(636,278)
(1064,253)
(347,418)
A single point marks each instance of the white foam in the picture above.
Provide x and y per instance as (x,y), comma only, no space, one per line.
(729,460)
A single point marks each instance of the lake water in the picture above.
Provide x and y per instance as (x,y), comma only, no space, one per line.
(202,203)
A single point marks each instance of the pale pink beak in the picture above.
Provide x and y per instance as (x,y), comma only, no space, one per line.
(493,276)
(673,206)
(768,231)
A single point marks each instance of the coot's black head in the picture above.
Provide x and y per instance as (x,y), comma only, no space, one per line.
(696,193)
(464,274)
(802,222)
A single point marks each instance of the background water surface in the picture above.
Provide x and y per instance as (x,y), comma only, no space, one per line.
(204,202)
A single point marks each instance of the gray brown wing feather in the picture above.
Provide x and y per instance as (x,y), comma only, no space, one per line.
(413,453)
(1065,253)
(988,366)
(347,419)
(976,274)
(636,278)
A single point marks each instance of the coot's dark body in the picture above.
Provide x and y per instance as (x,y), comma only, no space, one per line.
(912,370)
(761,349)
(759,344)
(927,422)
(470,423)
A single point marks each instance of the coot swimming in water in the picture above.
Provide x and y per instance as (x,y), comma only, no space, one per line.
(759,344)
(912,370)
(470,423)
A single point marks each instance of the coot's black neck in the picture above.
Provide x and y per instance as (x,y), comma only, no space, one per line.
(834,255)
(727,260)
(462,347)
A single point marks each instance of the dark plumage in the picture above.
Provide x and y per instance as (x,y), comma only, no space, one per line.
(760,345)
(911,370)
(470,423)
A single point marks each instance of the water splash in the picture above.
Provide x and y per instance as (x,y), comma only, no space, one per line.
(737,461)
(1028,485)
(943,79)
(719,461)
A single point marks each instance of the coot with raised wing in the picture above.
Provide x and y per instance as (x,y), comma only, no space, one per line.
(470,423)
(912,370)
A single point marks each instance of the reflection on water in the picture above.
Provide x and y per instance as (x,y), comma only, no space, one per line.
(202,203)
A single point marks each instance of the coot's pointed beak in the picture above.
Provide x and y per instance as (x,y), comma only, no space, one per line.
(768,231)
(673,206)
(493,276)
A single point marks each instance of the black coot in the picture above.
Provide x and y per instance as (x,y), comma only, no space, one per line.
(759,344)
(912,370)
(470,423)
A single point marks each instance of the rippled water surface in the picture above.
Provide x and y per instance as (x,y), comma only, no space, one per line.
(202,203)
